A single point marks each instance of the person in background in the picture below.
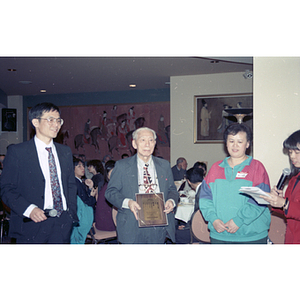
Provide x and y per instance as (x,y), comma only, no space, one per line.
(194,177)
(124,155)
(88,175)
(103,213)
(96,168)
(233,217)
(26,182)
(85,204)
(202,165)
(85,190)
(105,159)
(2,156)
(289,203)
(127,179)
(179,170)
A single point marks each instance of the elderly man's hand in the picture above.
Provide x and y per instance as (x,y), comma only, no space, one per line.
(169,206)
(134,207)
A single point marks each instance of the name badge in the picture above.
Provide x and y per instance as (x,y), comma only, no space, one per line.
(241,175)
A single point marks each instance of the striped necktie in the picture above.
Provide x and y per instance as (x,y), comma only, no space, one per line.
(147,180)
(55,187)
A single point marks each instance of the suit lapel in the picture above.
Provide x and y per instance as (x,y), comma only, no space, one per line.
(61,156)
(160,173)
(34,159)
(132,173)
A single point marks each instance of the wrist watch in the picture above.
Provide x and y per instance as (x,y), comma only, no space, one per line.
(285,205)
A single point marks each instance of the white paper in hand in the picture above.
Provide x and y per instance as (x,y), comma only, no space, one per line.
(255,193)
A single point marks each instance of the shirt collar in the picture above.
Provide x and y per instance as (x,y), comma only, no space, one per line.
(141,163)
(78,178)
(41,145)
(197,188)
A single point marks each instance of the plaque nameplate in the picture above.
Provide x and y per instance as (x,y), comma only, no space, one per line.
(152,210)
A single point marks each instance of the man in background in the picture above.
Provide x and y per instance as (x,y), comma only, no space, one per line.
(179,170)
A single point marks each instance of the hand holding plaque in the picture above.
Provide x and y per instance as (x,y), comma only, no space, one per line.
(134,207)
(169,207)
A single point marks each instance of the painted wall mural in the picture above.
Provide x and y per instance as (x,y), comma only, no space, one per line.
(99,131)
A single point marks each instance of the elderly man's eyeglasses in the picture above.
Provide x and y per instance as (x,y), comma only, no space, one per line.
(51,121)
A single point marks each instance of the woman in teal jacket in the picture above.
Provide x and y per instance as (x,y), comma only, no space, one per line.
(234,217)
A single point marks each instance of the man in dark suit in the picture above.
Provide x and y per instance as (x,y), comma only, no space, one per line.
(26,187)
(127,179)
(194,178)
(179,170)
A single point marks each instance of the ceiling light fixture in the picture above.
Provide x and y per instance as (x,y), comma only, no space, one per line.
(132,85)
(43,91)
(11,70)
(25,81)
(214,61)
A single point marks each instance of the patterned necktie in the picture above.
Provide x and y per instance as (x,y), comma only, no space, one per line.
(147,180)
(55,187)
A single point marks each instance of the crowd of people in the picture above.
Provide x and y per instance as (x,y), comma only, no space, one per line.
(55,197)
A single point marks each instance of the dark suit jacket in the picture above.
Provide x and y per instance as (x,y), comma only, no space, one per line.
(178,174)
(197,196)
(23,183)
(84,194)
(124,184)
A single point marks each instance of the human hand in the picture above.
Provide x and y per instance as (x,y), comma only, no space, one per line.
(275,191)
(89,183)
(169,206)
(134,207)
(219,225)
(275,197)
(37,215)
(94,192)
(231,226)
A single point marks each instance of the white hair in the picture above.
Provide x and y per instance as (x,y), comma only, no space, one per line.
(136,132)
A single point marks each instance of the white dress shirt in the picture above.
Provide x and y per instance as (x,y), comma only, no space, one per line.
(43,160)
(153,175)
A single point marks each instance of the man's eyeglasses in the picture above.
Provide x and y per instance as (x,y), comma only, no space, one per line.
(51,121)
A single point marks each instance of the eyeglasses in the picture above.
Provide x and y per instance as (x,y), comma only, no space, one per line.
(51,121)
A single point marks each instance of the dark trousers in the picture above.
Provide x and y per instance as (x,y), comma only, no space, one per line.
(151,235)
(261,241)
(55,230)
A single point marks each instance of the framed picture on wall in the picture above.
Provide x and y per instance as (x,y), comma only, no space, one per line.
(9,119)
(211,118)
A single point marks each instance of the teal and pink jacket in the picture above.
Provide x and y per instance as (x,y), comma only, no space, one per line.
(220,198)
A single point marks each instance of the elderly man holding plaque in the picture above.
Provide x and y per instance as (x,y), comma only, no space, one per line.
(143,190)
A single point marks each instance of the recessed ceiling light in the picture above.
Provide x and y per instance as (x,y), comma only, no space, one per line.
(214,61)
(43,91)
(25,82)
(11,70)
(132,85)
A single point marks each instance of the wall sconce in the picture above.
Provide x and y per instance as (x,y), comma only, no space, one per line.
(248,74)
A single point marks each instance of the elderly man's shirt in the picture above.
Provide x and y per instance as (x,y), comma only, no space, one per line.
(153,175)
